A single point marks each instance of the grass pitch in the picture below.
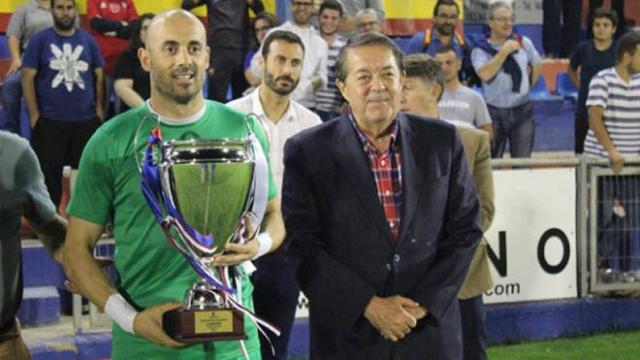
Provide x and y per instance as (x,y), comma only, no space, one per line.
(618,346)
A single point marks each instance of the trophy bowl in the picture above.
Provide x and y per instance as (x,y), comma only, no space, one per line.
(209,184)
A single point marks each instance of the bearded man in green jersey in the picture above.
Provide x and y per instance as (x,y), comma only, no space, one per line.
(152,275)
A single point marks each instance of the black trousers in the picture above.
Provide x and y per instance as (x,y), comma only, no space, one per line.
(59,143)
(275,297)
(227,65)
(474,338)
(570,11)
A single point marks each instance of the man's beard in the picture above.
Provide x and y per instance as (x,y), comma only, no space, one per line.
(272,83)
(63,25)
(302,19)
(168,90)
(445,29)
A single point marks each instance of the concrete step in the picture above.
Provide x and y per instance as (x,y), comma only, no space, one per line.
(60,342)
(40,306)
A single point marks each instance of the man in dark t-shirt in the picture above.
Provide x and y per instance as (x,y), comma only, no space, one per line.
(590,57)
(228,37)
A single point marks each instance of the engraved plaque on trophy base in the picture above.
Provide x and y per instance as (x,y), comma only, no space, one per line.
(196,326)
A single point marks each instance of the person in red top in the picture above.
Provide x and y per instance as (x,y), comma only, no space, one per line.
(109,21)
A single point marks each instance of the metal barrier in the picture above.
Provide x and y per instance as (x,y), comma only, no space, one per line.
(613,226)
(607,216)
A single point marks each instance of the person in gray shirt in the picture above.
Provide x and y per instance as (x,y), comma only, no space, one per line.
(22,193)
(459,102)
(27,20)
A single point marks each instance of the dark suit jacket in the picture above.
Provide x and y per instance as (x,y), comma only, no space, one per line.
(337,231)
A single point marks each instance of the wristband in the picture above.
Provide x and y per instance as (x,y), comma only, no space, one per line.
(120,312)
(265,241)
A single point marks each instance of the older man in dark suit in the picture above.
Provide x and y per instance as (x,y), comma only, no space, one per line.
(382,217)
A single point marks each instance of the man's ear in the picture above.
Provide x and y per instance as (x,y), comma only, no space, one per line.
(145,61)
(208,64)
(342,88)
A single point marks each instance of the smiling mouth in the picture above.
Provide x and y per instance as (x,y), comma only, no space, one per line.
(187,77)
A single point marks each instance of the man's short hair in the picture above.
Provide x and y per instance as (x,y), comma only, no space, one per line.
(496,6)
(447,48)
(445,3)
(627,44)
(331,5)
(53,3)
(280,35)
(367,11)
(371,38)
(425,68)
(605,13)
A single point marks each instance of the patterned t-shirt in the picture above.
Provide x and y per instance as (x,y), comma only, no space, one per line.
(327,97)
(65,86)
(621,103)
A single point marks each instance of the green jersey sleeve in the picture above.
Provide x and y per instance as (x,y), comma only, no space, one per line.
(258,130)
(92,195)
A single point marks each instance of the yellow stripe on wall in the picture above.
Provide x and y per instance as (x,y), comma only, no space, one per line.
(413,9)
(143,6)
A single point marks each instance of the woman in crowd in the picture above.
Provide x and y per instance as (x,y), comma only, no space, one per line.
(263,22)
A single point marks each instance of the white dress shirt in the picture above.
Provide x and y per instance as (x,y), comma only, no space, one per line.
(296,119)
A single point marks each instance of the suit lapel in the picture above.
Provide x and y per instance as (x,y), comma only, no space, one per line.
(350,156)
(411,176)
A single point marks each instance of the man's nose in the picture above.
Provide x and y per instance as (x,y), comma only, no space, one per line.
(183,56)
(377,83)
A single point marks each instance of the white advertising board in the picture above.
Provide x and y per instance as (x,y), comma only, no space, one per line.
(532,239)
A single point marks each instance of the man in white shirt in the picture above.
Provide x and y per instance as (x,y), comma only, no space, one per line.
(282,57)
(314,69)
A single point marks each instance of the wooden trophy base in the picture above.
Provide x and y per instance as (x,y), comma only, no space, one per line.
(197,326)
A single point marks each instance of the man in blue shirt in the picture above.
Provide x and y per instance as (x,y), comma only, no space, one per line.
(508,64)
(429,41)
(63,85)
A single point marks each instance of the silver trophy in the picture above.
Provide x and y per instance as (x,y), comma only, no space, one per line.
(200,191)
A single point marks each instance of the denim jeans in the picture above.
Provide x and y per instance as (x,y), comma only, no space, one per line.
(11,102)
(514,125)
(619,233)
